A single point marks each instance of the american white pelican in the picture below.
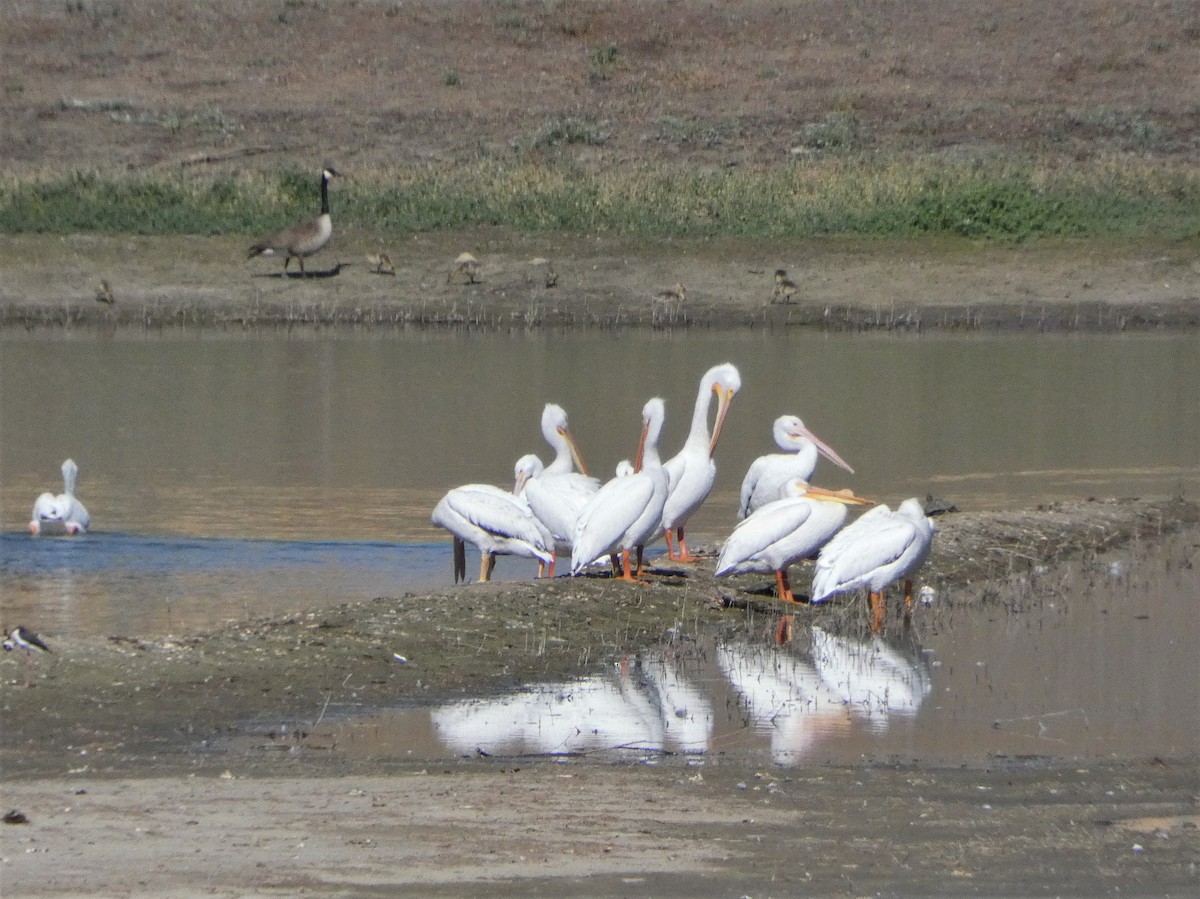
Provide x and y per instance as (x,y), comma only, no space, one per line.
(45,510)
(24,638)
(65,508)
(559,493)
(785,531)
(73,511)
(769,475)
(496,522)
(692,471)
(874,552)
(625,513)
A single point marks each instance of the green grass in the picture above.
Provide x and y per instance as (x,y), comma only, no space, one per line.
(826,196)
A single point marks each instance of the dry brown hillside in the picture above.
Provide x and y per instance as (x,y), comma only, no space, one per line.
(112,84)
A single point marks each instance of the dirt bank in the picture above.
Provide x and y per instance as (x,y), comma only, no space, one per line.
(192,282)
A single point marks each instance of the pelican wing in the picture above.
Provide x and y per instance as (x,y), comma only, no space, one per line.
(611,513)
(871,557)
(558,499)
(493,511)
(753,539)
(749,485)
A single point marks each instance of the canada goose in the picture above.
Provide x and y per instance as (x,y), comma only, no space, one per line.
(303,239)
(784,289)
(382,263)
(465,271)
(104,293)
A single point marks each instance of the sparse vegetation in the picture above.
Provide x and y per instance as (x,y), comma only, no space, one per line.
(908,197)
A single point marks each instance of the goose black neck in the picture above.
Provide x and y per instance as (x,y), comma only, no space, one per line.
(324,194)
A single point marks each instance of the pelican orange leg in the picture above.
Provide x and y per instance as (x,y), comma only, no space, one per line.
(783,587)
(878,606)
(682,554)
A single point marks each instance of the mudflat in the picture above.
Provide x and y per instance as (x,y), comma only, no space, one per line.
(113,769)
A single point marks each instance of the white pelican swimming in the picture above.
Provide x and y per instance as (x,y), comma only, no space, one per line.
(874,552)
(65,507)
(785,531)
(559,493)
(768,476)
(692,471)
(625,513)
(496,522)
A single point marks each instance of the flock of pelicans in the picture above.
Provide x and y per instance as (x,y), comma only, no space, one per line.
(559,509)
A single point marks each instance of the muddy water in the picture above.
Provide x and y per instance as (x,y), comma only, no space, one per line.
(1083,661)
(236,476)
(341,443)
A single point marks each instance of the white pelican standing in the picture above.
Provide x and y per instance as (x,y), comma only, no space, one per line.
(769,475)
(625,513)
(496,522)
(692,471)
(874,552)
(785,531)
(65,507)
(559,493)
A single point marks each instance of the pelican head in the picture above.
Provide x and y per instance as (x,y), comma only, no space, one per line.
(653,415)
(527,468)
(791,434)
(558,435)
(724,381)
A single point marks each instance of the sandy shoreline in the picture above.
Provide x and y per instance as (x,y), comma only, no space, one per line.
(114,758)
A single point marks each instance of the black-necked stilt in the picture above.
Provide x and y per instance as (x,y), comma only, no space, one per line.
(23,638)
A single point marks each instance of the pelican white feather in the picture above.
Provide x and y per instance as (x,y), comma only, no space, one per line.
(768,476)
(625,513)
(65,507)
(692,470)
(785,531)
(494,521)
(875,551)
(559,493)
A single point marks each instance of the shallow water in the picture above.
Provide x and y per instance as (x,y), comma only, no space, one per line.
(349,440)
(1084,662)
(232,476)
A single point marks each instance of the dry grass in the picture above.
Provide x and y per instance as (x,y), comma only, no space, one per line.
(265,84)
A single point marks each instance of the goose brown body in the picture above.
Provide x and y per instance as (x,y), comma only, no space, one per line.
(302,239)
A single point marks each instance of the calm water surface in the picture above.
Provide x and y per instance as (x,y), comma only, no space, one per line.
(239,475)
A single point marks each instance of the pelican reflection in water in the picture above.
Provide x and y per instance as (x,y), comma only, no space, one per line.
(802,699)
(646,704)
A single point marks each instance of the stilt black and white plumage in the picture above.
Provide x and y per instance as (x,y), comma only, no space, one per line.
(23,638)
